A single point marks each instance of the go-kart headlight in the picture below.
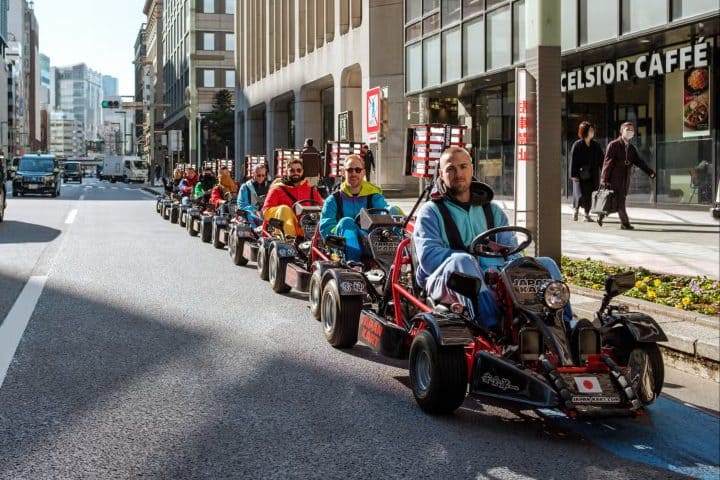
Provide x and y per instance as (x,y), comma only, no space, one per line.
(556,294)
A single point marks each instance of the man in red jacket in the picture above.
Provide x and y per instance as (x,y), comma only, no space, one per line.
(284,192)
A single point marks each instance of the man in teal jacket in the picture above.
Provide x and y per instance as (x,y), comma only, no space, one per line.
(251,191)
(340,208)
(469,204)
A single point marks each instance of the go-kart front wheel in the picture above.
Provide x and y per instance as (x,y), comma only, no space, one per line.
(315,294)
(339,316)
(215,237)
(646,372)
(205,229)
(276,272)
(262,263)
(235,249)
(438,376)
(174,214)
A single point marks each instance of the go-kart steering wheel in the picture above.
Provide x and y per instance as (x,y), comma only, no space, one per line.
(309,201)
(483,246)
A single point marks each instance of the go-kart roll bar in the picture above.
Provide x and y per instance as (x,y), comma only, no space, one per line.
(398,290)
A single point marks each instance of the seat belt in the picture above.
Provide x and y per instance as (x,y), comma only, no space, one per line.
(451,230)
(338,201)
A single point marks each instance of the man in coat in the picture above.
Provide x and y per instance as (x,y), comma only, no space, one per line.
(620,157)
(311,161)
(251,191)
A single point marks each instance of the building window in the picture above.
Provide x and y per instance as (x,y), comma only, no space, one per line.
(518,31)
(493,3)
(471,7)
(430,5)
(450,11)
(568,24)
(413,10)
(452,64)
(413,67)
(431,61)
(413,32)
(230,42)
(642,14)
(688,8)
(230,7)
(230,78)
(208,6)
(473,47)
(208,78)
(498,38)
(591,29)
(208,41)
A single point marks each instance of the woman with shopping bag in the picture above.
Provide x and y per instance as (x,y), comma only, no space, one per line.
(586,158)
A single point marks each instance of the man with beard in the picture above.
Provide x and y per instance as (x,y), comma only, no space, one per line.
(461,209)
(284,192)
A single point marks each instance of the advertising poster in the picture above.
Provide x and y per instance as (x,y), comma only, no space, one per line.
(696,102)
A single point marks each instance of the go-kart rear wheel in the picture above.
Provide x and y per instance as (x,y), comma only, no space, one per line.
(158,206)
(191,227)
(646,372)
(166,212)
(339,316)
(216,236)
(262,263)
(182,219)
(438,376)
(235,249)
(205,230)
(315,294)
(276,272)
(174,214)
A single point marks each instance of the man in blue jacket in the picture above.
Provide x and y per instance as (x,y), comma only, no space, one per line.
(340,208)
(469,206)
(251,190)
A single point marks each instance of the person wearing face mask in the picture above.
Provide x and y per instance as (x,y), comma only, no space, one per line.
(586,158)
(203,189)
(355,193)
(620,157)
(283,194)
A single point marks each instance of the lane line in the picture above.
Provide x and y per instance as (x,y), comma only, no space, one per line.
(71,216)
(13,327)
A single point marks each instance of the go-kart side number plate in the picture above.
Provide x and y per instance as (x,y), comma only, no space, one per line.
(352,286)
(581,399)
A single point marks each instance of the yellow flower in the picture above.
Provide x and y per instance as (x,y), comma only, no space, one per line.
(597,286)
(639,284)
(657,282)
(651,295)
(686,300)
(646,279)
(679,305)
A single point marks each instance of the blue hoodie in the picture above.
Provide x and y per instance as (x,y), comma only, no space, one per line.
(431,241)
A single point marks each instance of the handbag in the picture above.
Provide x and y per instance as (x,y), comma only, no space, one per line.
(603,202)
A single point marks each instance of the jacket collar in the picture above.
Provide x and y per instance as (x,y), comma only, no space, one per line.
(480,193)
(366,189)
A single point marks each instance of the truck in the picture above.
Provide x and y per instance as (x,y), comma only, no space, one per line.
(124,168)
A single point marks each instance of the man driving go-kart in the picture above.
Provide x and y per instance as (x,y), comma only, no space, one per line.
(284,193)
(461,209)
(341,208)
(203,189)
(225,188)
(187,185)
(250,192)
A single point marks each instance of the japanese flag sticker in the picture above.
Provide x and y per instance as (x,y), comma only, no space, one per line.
(588,385)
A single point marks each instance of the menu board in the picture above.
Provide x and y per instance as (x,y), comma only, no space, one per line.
(696,102)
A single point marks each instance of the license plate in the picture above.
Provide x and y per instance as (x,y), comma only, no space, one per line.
(32,187)
(595,399)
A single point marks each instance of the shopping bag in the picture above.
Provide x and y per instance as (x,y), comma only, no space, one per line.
(603,202)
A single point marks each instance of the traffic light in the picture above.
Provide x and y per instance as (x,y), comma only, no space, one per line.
(110,104)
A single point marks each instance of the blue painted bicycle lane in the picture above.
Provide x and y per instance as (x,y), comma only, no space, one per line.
(672,435)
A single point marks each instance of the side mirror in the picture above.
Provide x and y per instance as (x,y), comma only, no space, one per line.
(620,283)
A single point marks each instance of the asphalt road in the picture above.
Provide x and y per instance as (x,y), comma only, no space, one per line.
(149,354)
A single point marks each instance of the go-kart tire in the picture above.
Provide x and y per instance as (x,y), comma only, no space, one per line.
(339,316)
(158,207)
(315,294)
(235,249)
(191,230)
(174,214)
(166,213)
(215,237)
(438,376)
(205,230)
(262,264)
(182,220)
(646,372)
(276,272)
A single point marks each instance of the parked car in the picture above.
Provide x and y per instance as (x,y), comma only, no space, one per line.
(72,171)
(37,174)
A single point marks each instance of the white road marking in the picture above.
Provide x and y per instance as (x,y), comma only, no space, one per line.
(13,327)
(71,216)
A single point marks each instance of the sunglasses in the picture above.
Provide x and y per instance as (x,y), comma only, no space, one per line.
(296,170)
(355,170)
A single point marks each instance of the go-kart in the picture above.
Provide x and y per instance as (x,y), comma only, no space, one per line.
(285,262)
(533,358)
(225,213)
(199,218)
(358,283)
(242,234)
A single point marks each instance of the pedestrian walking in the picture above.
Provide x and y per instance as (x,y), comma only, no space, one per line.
(586,159)
(310,157)
(158,173)
(620,158)
(368,159)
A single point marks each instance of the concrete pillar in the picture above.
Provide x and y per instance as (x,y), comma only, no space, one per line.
(308,117)
(542,26)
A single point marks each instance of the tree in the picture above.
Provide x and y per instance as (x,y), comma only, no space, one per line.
(221,126)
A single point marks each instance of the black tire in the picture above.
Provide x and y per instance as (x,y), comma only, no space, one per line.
(276,272)
(216,236)
(166,212)
(339,316)
(190,227)
(53,194)
(438,376)
(262,264)
(235,249)
(174,214)
(646,372)
(182,220)
(315,294)
(158,206)
(205,230)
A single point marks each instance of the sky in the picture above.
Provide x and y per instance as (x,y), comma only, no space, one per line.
(100,33)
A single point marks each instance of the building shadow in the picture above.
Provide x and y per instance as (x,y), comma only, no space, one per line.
(13,231)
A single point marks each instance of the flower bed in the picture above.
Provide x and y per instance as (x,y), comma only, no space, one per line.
(698,294)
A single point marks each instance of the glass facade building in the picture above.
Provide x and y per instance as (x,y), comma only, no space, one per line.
(652,62)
